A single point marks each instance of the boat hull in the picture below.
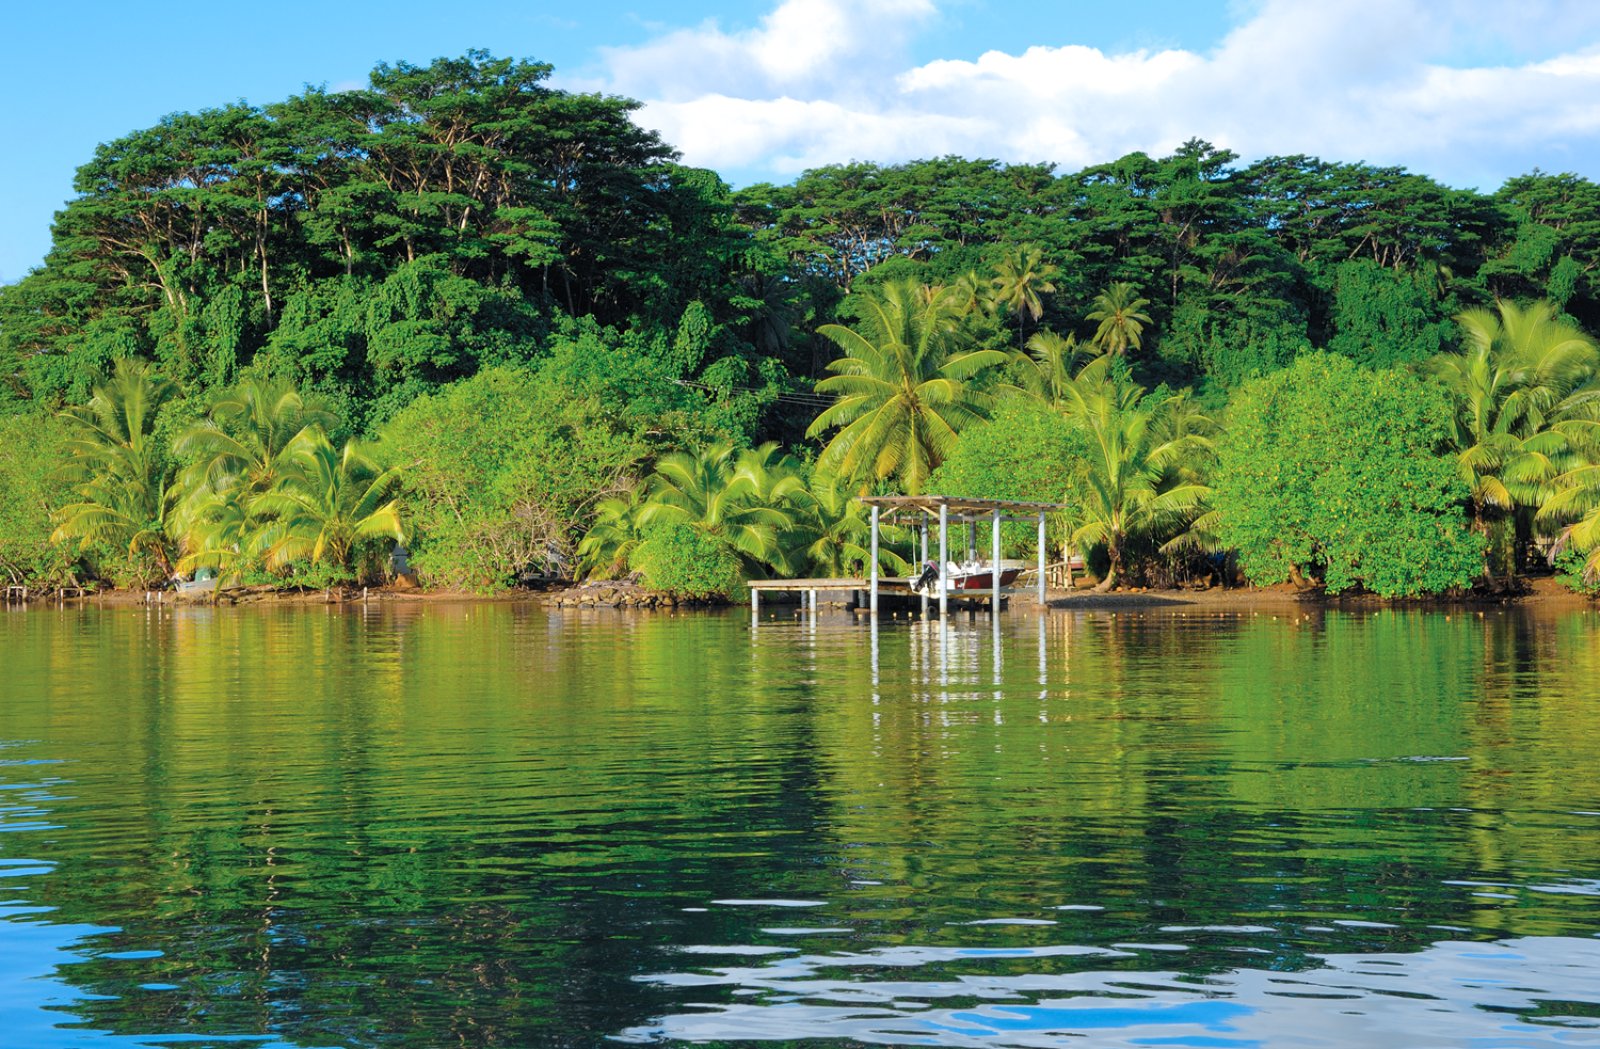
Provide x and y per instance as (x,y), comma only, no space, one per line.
(983,580)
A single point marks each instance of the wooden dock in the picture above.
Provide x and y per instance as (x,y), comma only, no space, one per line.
(896,592)
(922,512)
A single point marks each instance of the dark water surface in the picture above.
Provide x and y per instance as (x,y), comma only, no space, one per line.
(491,826)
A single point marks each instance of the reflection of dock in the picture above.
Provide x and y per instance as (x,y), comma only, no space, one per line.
(895,594)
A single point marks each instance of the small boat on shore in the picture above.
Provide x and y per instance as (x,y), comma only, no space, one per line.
(966,575)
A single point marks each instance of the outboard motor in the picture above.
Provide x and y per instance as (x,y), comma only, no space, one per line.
(929,576)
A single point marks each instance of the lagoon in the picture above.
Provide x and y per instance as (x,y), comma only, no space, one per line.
(496,825)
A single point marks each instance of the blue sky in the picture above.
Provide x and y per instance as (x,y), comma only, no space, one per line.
(1468,91)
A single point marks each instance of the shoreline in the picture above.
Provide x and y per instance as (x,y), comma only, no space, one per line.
(1543,593)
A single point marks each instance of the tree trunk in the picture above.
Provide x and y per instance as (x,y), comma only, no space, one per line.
(1114,553)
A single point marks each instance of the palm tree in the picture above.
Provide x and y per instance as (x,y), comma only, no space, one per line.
(606,547)
(904,389)
(221,534)
(116,465)
(1522,373)
(1119,312)
(832,534)
(1020,278)
(1142,475)
(240,451)
(972,293)
(246,436)
(1050,365)
(327,501)
(739,498)
(1575,507)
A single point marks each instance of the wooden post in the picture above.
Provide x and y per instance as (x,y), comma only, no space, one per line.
(874,561)
(922,563)
(813,594)
(755,599)
(944,561)
(1041,559)
(994,568)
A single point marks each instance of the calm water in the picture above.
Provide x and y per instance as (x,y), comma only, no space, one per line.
(490,826)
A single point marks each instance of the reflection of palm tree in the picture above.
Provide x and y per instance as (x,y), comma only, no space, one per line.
(1020,278)
(1119,311)
(116,466)
(904,389)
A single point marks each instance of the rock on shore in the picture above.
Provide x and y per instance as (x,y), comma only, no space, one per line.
(619,594)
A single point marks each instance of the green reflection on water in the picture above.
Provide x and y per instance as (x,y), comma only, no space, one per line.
(481,823)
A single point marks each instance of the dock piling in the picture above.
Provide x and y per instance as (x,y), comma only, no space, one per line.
(994,562)
(944,559)
(874,560)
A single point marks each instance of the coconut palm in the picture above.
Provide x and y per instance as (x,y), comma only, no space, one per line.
(1142,475)
(905,388)
(832,533)
(1119,313)
(1522,374)
(739,498)
(326,502)
(117,468)
(221,534)
(604,551)
(1575,508)
(247,434)
(1049,367)
(972,293)
(1021,278)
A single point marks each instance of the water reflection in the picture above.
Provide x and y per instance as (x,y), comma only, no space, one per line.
(484,824)
(1509,993)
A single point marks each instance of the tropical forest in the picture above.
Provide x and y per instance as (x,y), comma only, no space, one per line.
(499,323)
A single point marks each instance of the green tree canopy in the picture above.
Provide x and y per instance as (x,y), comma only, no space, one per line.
(1333,472)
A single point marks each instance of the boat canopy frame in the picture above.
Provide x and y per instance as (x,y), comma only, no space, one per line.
(923,509)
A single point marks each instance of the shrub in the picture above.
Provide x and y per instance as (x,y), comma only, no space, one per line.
(31,454)
(680,560)
(1569,565)
(1333,470)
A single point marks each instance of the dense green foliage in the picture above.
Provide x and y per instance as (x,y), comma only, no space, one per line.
(30,489)
(501,473)
(1028,452)
(683,560)
(1333,472)
(565,337)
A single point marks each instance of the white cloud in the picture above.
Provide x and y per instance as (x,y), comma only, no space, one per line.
(815,45)
(1387,81)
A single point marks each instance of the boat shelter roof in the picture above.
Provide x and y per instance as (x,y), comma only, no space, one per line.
(955,505)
